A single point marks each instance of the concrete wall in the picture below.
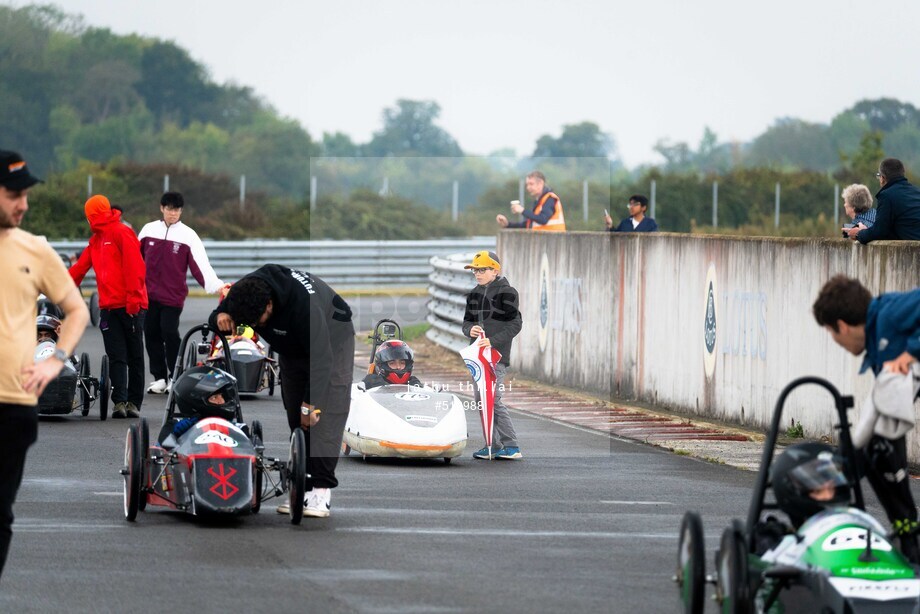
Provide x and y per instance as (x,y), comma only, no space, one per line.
(625,316)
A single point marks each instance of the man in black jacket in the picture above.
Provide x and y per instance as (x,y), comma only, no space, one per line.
(492,311)
(898,213)
(310,327)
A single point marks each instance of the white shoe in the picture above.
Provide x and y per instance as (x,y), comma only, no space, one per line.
(284,508)
(317,503)
(157,387)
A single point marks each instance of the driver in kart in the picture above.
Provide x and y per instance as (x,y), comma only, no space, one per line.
(201,392)
(807,479)
(393,363)
(48,328)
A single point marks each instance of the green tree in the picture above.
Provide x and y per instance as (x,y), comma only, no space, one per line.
(584,140)
(409,130)
(886,114)
(795,144)
(174,87)
(339,145)
(861,166)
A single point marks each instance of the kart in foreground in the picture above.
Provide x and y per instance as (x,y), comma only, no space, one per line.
(254,366)
(216,467)
(839,560)
(60,396)
(401,420)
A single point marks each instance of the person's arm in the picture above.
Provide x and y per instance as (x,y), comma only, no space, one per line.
(200,266)
(81,267)
(905,314)
(883,228)
(134,270)
(140,237)
(516,225)
(470,314)
(507,313)
(549,208)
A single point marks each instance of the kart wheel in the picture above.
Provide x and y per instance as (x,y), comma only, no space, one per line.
(447,460)
(132,473)
(94,309)
(271,381)
(297,473)
(85,397)
(691,564)
(257,470)
(732,585)
(144,431)
(105,387)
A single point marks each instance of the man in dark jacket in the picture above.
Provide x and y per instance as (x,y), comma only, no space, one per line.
(887,329)
(637,220)
(310,327)
(492,314)
(115,254)
(898,211)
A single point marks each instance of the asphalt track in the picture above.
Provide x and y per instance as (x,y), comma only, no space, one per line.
(584,523)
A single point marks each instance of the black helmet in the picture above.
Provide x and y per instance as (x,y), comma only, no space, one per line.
(800,472)
(47,308)
(394,349)
(48,324)
(198,384)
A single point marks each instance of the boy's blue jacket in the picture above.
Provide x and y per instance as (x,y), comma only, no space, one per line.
(892,326)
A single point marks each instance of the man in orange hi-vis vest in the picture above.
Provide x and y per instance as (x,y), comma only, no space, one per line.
(547,208)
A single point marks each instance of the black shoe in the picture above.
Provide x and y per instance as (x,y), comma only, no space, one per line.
(119,411)
(131,410)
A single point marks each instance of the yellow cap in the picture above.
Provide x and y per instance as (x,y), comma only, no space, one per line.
(485,260)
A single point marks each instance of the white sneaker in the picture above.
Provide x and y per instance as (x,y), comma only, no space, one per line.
(284,508)
(157,387)
(317,503)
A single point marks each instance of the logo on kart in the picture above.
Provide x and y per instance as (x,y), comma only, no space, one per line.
(853,538)
(475,369)
(710,321)
(430,419)
(216,437)
(413,396)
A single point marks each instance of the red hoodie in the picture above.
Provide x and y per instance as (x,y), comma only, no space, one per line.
(115,254)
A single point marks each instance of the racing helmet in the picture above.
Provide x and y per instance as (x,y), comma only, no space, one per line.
(394,349)
(808,478)
(198,384)
(49,324)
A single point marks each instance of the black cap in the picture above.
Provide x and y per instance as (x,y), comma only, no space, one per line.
(14,174)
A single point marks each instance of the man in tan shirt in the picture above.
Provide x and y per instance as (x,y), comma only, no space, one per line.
(28,266)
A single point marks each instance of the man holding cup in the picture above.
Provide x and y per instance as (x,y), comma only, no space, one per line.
(547,208)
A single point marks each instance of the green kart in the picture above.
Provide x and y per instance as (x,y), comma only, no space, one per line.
(838,560)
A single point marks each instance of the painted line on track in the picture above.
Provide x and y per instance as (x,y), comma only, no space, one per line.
(508,533)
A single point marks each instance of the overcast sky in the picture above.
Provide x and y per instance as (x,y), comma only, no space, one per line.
(506,72)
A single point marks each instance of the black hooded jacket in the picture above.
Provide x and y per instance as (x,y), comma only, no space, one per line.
(495,308)
(309,321)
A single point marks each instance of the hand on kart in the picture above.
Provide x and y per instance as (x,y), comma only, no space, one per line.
(901,364)
(476,331)
(502,220)
(309,416)
(225,323)
(37,377)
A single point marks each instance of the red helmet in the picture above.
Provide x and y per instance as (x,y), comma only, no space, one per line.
(393,349)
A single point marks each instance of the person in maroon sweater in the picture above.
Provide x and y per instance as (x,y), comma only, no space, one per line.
(115,254)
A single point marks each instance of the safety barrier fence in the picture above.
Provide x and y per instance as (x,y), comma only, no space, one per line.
(449,283)
(343,264)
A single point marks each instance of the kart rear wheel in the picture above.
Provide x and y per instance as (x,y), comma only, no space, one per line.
(691,564)
(271,381)
(732,585)
(297,472)
(447,460)
(132,473)
(144,431)
(85,397)
(105,387)
(94,309)
(257,477)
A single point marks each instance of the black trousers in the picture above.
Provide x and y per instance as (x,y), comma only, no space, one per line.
(18,431)
(885,465)
(161,336)
(123,336)
(324,441)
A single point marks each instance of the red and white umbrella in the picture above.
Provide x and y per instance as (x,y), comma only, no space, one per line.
(481,363)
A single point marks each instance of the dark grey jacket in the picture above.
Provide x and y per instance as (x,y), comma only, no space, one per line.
(495,308)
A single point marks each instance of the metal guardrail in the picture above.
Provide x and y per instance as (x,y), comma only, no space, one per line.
(448,287)
(343,264)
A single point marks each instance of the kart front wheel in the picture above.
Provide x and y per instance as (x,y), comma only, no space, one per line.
(297,472)
(85,396)
(732,585)
(144,435)
(257,467)
(104,387)
(132,473)
(691,564)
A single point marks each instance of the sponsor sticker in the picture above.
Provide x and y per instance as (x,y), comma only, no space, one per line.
(853,538)
(544,302)
(710,321)
(216,437)
(429,419)
(413,396)
(475,369)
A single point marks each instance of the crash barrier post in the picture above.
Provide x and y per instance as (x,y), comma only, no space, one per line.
(344,264)
(711,326)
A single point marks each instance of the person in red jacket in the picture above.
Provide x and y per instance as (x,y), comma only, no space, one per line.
(115,254)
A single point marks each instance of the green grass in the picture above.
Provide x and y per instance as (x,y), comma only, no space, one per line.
(414,331)
(795,431)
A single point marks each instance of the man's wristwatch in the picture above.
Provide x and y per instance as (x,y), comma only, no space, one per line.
(306,411)
(60,355)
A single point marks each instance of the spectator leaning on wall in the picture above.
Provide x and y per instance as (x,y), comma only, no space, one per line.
(637,220)
(898,213)
(547,208)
